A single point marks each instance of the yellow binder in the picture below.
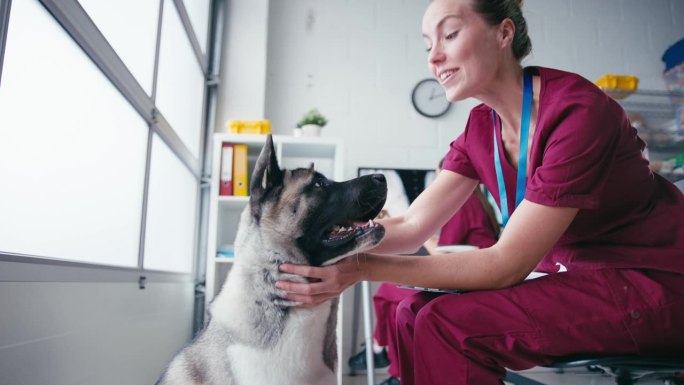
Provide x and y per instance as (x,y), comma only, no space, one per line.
(240,170)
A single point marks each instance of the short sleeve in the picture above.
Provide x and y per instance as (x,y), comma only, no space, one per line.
(578,156)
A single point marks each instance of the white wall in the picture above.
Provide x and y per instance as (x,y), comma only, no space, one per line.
(101,332)
(243,70)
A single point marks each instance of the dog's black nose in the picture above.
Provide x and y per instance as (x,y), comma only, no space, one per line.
(379,178)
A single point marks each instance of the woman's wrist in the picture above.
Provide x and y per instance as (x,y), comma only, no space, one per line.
(363,267)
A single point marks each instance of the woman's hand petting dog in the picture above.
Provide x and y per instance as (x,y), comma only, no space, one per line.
(324,283)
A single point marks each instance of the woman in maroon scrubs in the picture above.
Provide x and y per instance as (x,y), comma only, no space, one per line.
(564,163)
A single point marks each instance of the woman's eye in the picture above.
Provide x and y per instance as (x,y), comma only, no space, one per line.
(451,35)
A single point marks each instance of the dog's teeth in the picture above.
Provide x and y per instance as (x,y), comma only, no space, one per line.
(370,223)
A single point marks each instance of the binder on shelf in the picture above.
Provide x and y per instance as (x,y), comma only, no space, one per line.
(240,170)
(226,175)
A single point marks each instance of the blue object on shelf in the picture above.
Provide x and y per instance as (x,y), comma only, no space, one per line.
(674,55)
(225,251)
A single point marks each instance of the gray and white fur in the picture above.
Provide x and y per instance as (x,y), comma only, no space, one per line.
(254,336)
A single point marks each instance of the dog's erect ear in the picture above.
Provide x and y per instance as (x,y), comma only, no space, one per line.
(266,176)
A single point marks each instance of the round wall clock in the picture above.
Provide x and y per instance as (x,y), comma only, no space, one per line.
(429,99)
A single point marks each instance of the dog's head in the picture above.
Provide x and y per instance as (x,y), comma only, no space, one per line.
(302,211)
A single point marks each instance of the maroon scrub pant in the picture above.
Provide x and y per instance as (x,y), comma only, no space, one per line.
(385,302)
(471,338)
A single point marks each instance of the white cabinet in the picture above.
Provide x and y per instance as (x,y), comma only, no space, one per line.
(224,211)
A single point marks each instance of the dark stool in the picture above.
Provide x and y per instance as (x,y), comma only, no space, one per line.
(626,370)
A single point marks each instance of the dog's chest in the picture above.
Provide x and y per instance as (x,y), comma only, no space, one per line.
(297,358)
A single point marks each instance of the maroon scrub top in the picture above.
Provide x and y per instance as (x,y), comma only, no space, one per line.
(584,154)
(470,226)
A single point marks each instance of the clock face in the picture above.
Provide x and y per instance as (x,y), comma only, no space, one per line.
(429,99)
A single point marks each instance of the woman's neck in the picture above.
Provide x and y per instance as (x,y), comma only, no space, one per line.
(504,95)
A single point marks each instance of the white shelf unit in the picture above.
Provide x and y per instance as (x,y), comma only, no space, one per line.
(653,113)
(224,211)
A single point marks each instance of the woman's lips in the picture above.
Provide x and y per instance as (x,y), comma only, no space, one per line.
(445,75)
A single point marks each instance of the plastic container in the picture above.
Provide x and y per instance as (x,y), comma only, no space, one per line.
(621,82)
(249,126)
(618,86)
(674,81)
(674,55)
(674,78)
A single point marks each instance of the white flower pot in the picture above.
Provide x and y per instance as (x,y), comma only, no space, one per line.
(297,132)
(311,130)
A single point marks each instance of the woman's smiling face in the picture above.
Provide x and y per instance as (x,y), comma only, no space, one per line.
(463,50)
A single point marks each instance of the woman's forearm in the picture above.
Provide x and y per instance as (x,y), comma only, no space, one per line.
(468,270)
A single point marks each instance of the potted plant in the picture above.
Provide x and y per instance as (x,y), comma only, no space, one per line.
(312,122)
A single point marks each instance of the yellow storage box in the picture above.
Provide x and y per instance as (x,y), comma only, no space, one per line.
(618,86)
(249,126)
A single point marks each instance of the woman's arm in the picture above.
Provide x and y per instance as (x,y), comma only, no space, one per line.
(426,215)
(530,234)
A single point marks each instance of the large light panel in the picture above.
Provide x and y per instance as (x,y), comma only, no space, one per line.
(180,82)
(130,27)
(72,150)
(171,212)
(198,13)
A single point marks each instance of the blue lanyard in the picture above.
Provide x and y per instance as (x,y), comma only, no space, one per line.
(522,154)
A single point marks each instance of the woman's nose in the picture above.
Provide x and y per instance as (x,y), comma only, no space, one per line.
(436,54)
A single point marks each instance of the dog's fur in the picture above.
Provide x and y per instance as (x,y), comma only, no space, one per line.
(254,336)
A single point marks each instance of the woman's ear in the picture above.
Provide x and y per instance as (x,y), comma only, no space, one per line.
(506,33)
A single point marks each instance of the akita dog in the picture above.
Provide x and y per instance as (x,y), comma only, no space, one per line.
(254,337)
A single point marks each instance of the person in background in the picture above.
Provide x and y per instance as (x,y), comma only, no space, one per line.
(475,224)
(578,202)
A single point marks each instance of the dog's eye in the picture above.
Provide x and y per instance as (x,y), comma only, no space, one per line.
(320,183)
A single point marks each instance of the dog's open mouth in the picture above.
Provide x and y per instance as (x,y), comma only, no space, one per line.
(340,235)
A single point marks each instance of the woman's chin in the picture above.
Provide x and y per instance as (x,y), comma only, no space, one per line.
(454,96)
(454,93)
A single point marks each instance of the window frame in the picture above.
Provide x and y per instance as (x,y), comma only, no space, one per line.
(79,26)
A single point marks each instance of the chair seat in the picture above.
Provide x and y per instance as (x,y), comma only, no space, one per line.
(626,370)
(628,362)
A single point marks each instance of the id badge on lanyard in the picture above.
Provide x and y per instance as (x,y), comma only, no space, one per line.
(521,182)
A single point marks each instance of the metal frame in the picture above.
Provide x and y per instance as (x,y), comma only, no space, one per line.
(185,19)
(27,268)
(5,6)
(215,43)
(214,66)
